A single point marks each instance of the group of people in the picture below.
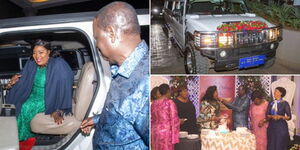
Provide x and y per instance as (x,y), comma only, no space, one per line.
(169,117)
(267,119)
(45,84)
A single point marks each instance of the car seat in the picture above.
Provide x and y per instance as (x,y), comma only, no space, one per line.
(44,124)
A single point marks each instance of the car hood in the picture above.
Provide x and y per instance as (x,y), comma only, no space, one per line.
(211,22)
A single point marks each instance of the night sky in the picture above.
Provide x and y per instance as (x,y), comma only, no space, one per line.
(11,10)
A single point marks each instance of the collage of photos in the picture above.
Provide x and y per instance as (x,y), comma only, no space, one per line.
(149,75)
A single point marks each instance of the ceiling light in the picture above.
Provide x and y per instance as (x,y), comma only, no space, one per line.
(37,1)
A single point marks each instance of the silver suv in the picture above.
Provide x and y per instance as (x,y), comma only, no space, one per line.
(220,34)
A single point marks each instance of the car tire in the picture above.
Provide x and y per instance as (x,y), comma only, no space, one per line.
(194,61)
(269,63)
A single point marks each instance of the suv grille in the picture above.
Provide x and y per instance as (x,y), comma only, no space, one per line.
(250,37)
(236,39)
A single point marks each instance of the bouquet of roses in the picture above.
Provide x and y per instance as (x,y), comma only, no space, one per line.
(242,26)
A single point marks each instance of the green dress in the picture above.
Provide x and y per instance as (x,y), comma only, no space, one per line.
(33,105)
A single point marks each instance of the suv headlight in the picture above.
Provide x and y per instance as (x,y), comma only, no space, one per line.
(204,39)
(274,34)
(208,39)
(225,39)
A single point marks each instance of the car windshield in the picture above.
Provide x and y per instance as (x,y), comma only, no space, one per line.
(218,7)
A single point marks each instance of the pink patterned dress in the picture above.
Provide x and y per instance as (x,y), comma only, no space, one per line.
(256,114)
(164,124)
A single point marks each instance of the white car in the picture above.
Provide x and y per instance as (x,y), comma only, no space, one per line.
(193,24)
(72,35)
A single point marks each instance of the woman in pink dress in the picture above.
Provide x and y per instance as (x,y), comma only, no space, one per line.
(164,121)
(258,122)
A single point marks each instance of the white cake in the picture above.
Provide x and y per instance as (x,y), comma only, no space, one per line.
(241,130)
(222,128)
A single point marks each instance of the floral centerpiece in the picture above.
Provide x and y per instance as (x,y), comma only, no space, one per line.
(242,26)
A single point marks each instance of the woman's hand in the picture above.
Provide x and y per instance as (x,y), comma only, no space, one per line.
(277,117)
(57,116)
(281,117)
(87,125)
(14,79)
(182,120)
(285,117)
(261,123)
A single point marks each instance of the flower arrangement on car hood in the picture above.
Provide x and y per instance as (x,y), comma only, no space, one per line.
(242,26)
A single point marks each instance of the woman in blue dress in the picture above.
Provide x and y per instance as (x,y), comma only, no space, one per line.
(277,113)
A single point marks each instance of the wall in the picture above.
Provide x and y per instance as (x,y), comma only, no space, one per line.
(158,80)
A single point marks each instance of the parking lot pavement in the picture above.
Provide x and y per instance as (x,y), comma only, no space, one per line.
(166,59)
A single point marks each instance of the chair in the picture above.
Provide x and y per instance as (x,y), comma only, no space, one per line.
(44,124)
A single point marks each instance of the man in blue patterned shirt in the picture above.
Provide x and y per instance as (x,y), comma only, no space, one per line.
(240,108)
(124,120)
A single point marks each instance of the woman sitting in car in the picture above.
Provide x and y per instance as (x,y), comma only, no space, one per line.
(44,85)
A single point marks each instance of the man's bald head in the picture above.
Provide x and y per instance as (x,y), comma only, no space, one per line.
(119,15)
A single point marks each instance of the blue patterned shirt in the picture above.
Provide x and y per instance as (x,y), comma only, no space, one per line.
(240,108)
(124,121)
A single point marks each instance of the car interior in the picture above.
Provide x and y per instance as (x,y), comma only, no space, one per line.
(201,7)
(205,8)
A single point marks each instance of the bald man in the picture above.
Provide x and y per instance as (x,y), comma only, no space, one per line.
(124,120)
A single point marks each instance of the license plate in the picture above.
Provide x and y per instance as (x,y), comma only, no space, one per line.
(252,61)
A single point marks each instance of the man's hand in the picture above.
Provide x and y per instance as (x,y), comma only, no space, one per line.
(58,118)
(228,99)
(87,125)
(224,100)
(220,99)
